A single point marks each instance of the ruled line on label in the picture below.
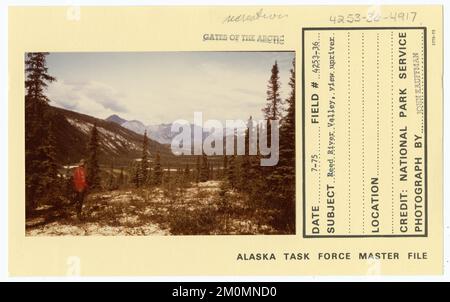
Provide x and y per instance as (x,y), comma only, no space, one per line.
(349,160)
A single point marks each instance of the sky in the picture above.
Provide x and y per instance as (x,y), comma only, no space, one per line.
(161,87)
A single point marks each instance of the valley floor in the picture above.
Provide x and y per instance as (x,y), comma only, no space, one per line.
(198,209)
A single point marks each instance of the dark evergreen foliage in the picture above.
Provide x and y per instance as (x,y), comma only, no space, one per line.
(204,169)
(40,163)
(157,171)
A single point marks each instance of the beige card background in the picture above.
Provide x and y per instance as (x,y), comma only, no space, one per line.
(181,29)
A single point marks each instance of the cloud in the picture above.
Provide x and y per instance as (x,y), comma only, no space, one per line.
(162,87)
(89,97)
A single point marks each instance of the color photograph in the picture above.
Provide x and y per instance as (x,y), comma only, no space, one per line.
(160,143)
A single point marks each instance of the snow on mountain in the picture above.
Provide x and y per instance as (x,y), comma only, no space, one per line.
(83,127)
(110,140)
(135,126)
(162,133)
(118,144)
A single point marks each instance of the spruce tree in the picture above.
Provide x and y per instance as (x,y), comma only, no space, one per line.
(121,181)
(50,162)
(157,171)
(136,170)
(287,129)
(40,163)
(255,188)
(211,171)
(245,162)
(187,172)
(93,168)
(144,161)
(231,171)
(204,169)
(272,110)
(225,166)
(285,170)
(111,181)
(51,183)
(37,79)
(269,180)
(197,169)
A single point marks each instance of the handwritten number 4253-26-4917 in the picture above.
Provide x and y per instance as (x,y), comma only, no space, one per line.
(374,16)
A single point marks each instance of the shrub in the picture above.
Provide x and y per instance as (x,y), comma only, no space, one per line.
(193,222)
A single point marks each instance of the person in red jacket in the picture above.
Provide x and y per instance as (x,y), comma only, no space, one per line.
(80,185)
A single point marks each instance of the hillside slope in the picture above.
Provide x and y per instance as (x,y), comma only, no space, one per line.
(117,144)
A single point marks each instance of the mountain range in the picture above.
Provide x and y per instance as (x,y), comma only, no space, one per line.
(161,133)
(120,140)
(118,144)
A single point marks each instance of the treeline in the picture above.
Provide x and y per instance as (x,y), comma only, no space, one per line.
(270,187)
(148,171)
(44,180)
(41,168)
